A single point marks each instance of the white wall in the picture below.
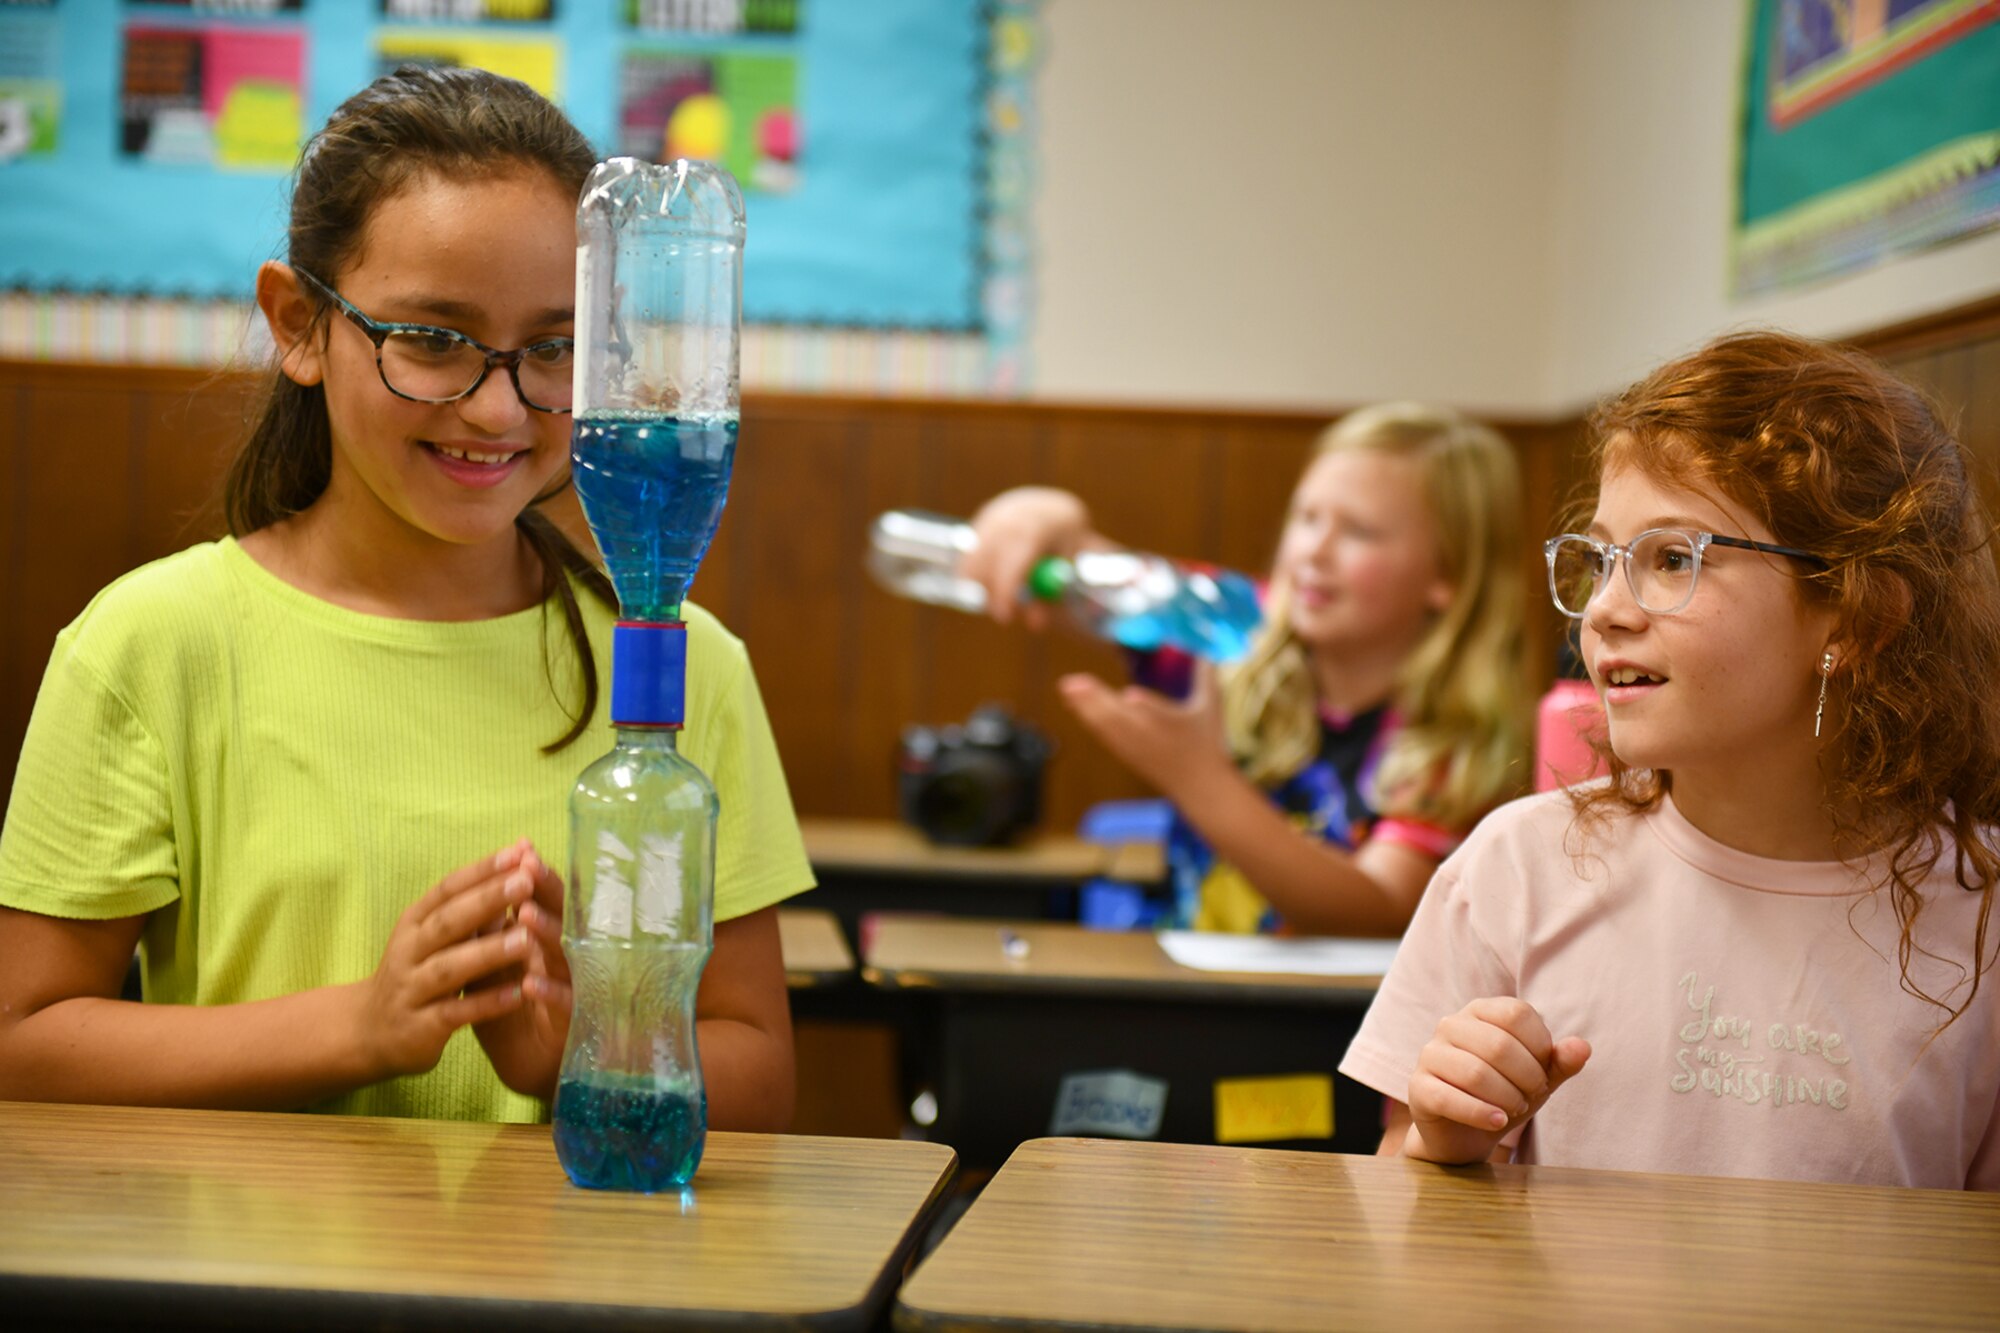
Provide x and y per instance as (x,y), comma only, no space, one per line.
(1294,202)
(1510,205)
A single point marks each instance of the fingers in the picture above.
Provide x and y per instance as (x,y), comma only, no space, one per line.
(1432,1098)
(479,1006)
(1571,1054)
(1492,1064)
(480,907)
(1467,1087)
(449,971)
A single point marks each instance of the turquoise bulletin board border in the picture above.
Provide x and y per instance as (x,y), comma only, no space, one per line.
(886,227)
(1896,147)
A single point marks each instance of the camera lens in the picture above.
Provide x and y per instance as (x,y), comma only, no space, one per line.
(969,800)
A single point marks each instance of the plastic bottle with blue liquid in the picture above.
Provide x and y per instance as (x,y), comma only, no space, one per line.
(1144,602)
(659,264)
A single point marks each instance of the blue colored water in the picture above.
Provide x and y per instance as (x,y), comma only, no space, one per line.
(629,1134)
(1213,614)
(653,488)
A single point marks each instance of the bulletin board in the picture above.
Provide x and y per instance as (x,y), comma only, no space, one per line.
(145,147)
(1868,130)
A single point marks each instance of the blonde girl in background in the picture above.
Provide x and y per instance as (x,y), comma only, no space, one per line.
(1762,946)
(1379,713)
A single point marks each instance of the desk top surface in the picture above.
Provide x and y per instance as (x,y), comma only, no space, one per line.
(297,1218)
(885,846)
(816,953)
(908,951)
(1103,1234)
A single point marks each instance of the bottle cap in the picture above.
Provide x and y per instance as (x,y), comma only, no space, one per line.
(1049,578)
(648,673)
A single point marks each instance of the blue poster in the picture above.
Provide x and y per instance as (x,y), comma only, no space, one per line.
(145,148)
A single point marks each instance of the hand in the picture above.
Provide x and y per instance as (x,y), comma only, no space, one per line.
(426,986)
(525,1045)
(1488,1068)
(1015,529)
(1173,744)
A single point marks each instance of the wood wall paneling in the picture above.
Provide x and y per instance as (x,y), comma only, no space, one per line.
(104,467)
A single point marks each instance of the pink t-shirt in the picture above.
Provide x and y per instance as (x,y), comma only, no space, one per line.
(1746,1016)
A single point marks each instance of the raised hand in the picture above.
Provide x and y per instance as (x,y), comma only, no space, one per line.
(1488,1068)
(525,1044)
(429,982)
(1173,744)
(1015,529)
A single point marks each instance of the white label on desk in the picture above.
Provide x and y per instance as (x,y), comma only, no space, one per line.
(1116,1103)
(1268,953)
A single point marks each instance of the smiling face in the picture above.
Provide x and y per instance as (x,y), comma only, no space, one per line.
(1360,554)
(494,258)
(1731,675)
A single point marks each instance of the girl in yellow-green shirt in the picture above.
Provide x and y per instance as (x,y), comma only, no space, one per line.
(312,770)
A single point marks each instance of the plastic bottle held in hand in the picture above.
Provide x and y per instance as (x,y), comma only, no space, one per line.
(1141,601)
(631,1112)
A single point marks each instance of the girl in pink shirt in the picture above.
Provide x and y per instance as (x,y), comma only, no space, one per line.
(1761,946)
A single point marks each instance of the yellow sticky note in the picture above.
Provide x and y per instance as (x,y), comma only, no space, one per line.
(1261,1110)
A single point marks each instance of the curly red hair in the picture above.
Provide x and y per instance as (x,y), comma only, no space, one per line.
(1839,457)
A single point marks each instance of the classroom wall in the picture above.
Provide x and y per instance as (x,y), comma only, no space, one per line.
(1294,203)
(1512,207)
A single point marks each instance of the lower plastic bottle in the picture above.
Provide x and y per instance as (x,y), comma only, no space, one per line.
(631,1112)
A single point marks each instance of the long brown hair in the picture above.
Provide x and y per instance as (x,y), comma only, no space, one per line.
(1839,457)
(449,121)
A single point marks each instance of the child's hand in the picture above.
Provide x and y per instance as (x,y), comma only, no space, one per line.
(1173,744)
(526,1044)
(1016,529)
(1488,1068)
(427,985)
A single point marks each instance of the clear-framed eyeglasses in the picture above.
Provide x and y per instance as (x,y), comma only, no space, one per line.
(1661,566)
(427,364)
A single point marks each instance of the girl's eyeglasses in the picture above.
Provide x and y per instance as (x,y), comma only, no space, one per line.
(426,364)
(1661,566)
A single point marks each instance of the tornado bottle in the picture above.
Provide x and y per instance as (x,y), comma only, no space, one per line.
(658,299)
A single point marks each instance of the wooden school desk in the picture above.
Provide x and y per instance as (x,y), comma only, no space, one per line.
(816,953)
(1014,1006)
(868,865)
(127,1214)
(1077,1233)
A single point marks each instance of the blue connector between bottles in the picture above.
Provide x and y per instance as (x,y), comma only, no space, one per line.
(648,673)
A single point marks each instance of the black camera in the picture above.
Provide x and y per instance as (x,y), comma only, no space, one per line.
(974,785)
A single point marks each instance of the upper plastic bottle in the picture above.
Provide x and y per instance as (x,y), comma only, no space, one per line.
(659,280)
(659,290)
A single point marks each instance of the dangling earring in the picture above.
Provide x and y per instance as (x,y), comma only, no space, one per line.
(1825,674)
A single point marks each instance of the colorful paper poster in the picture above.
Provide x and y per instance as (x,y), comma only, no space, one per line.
(30,85)
(532,60)
(468,11)
(1871,128)
(224,96)
(737,109)
(233,8)
(1830,49)
(721,18)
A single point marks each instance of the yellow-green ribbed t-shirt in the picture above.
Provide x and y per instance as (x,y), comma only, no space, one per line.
(271,779)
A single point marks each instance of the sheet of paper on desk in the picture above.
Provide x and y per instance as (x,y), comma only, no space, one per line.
(1212,952)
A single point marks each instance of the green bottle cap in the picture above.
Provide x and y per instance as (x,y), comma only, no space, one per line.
(1050,576)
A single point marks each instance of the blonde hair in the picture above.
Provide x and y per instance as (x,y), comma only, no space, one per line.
(1462,746)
